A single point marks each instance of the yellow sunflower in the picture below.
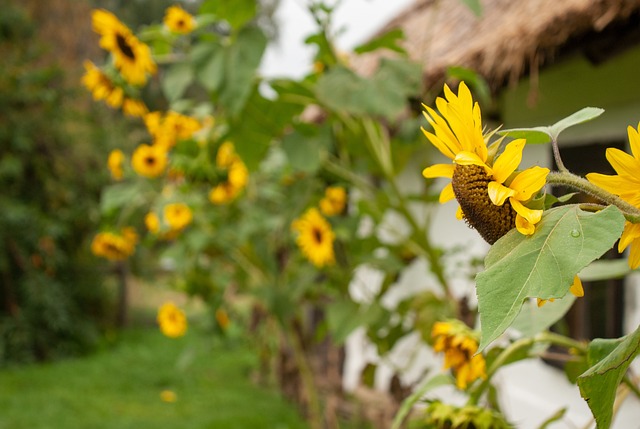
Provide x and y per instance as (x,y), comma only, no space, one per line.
(167,130)
(172,320)
(237,175)
(101,86)
(334,201)
(132,58)
(115,246)
(114,162)
(134,107)
(459,345)
(179,20)
(625,184)
(152,222)
(177,215)
(149,161)
(315,238)
(491,195)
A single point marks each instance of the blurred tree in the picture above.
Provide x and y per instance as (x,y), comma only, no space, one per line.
(51,296)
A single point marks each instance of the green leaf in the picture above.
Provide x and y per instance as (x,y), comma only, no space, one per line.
(538,135)
(385,94)
(345,316)
(260,122)
(557,416)
(541,265)
(237,13)
(242,59)
(610,360)
(474,6)
(388,40)
(581,116)
(533,319)
(119,195)
(176,80)
(410,401)
(306,147)
(535,135)
(209,61)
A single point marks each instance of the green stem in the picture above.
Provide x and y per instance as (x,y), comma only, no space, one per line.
(631,385)
(631,213)
(556,155)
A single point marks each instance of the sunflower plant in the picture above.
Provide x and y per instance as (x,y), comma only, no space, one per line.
(540,246)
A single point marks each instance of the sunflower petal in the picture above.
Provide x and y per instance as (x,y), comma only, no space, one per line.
(528,182)
(634,141)
(612,184)
(439,170)
(622,162)
(459,213)
(531,215)
(630,234)
(524,226)
(446,194)
(499,193)
(468,158)
(576,288)
(508,161)
(634,255)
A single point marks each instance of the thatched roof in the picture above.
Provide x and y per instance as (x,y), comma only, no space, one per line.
(510,38)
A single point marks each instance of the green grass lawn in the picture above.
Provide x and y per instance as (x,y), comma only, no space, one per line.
(120,387)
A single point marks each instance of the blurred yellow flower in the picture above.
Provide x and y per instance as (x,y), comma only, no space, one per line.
(222,318)
(237,175)
(101,87)
(459,345)
(168,396)
(315,238)
(179,20)
(132,58)
(149,161)
(625,184)
(152,222)
(134,107)
(114,246)
(177,215)
(172,320)
(170,128)
(115,162)
(334,201)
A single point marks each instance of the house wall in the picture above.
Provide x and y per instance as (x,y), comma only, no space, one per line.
(530,391)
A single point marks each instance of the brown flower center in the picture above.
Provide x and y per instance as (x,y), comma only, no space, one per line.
(150,161)
(470,186)
(317,235)
(124,46)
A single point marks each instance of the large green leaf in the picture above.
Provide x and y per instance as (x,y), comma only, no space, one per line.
(533,319)
(385,94)
(176,80)
(260,122)
(609,360)
(209,60)
(306,147)
(541,265)
(237,12)
(242,59)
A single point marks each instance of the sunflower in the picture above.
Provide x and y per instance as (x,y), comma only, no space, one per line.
(315,238)
(459,345)
(134,107)
(236,172)
(114,162)
(172,320)
(491,195)
(152,222)
(179,20)
(101,86)
(626,185)
(167,130)
(115,246)
(132,58)
(149,161)
(334,201)
(177,216)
